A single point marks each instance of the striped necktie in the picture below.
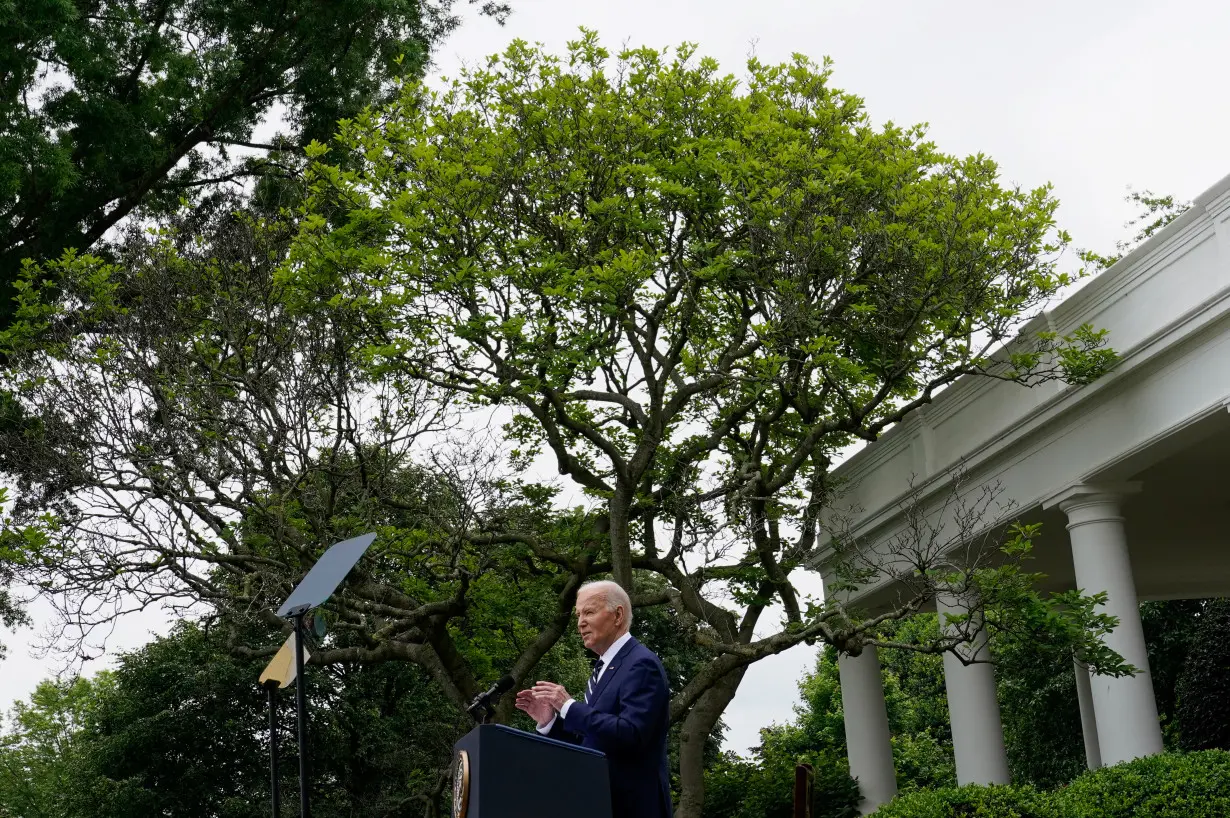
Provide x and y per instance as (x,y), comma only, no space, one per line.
(593,680)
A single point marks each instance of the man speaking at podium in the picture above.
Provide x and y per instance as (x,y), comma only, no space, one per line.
(625,712)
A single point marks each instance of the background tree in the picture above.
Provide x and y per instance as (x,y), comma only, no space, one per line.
(37,778)
(183,733)
(1040,712)
(179,729)
(177,733)
(117,108)
(1173,628)
(114,107)
(763,785)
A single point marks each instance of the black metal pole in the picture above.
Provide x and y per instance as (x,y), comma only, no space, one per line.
(305,809)
(271,687)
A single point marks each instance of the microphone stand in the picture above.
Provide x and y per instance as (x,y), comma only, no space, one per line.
(271,688)
(482,708)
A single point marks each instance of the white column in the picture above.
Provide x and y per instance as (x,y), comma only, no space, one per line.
(973,709)
(867,738)
(1124,708)
(1089,722)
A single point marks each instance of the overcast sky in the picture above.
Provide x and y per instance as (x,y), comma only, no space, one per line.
(1090,95)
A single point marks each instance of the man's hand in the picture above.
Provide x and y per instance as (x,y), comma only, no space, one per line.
(556,696)
(539,710)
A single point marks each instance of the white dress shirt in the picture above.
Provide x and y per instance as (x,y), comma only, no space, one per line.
(607,657)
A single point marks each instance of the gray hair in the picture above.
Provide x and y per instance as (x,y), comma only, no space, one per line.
(613,593)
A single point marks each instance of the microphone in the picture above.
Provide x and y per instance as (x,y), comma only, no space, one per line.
(483,700)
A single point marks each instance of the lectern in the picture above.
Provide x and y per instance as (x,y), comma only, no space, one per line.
(499,772)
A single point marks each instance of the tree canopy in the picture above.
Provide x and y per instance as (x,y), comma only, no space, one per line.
(114,107)
(689,291)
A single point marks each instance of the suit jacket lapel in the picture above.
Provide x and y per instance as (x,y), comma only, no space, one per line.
(610,672)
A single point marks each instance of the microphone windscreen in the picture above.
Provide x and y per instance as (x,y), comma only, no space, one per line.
(504,684)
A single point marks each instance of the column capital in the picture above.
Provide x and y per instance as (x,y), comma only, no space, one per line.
(1102,499)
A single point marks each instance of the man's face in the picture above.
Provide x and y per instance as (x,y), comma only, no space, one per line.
(599,627)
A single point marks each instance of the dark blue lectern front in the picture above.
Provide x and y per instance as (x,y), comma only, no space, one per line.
(499,772)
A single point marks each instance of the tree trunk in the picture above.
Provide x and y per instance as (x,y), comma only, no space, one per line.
(697,726)
(621,546)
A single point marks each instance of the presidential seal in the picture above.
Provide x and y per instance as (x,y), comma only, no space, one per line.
(461,784)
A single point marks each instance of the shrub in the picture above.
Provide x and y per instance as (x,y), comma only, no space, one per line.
(1172,785)
(922,761)
(972,802)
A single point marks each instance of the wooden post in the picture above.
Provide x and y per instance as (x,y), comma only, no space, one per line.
(803,781)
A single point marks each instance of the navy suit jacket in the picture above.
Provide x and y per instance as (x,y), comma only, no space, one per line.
(627,718)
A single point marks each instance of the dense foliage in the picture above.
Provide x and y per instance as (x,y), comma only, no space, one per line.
(1173,785)
(1040,712)
(110,108)
(973,802)
(763,786)
(1203,688)
(179,728)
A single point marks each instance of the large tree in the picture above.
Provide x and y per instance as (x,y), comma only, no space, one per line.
(108,107)
(115,108)
(690,292)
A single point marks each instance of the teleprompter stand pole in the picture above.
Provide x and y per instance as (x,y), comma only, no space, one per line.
(280,672)
(271,690)
(305,808)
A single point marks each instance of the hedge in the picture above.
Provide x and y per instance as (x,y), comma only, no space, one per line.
(972,802)
(1172,785)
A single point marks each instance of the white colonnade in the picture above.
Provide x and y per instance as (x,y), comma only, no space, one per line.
(1118,715)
